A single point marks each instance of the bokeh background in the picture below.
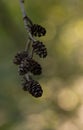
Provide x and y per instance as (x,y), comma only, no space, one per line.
(61,106)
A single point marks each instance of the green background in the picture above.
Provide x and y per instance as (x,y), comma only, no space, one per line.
(61,106)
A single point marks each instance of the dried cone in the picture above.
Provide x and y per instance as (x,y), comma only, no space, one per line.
(33,87)
(19,57)
(40,49)
(30,65)
(37,30)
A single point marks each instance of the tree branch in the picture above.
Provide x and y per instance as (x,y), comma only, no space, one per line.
(27,65)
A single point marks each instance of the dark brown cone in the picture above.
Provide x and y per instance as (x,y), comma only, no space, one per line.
(33,87)
(19,57)
(40,49)
(30,65)
(38,30)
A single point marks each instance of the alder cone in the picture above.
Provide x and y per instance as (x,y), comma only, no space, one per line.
(19,57)
(40,49)
(29,65)
(33,87)
(37,30)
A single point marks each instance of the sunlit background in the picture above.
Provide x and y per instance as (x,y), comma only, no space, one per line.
(61,106)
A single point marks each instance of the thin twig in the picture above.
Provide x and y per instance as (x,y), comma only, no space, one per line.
(27,47)
(27,24)
(32,53)
(26,19)
(27,76)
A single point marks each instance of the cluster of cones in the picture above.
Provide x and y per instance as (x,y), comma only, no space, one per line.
(27,65)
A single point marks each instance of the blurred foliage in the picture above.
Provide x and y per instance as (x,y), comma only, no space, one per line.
(61,106)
